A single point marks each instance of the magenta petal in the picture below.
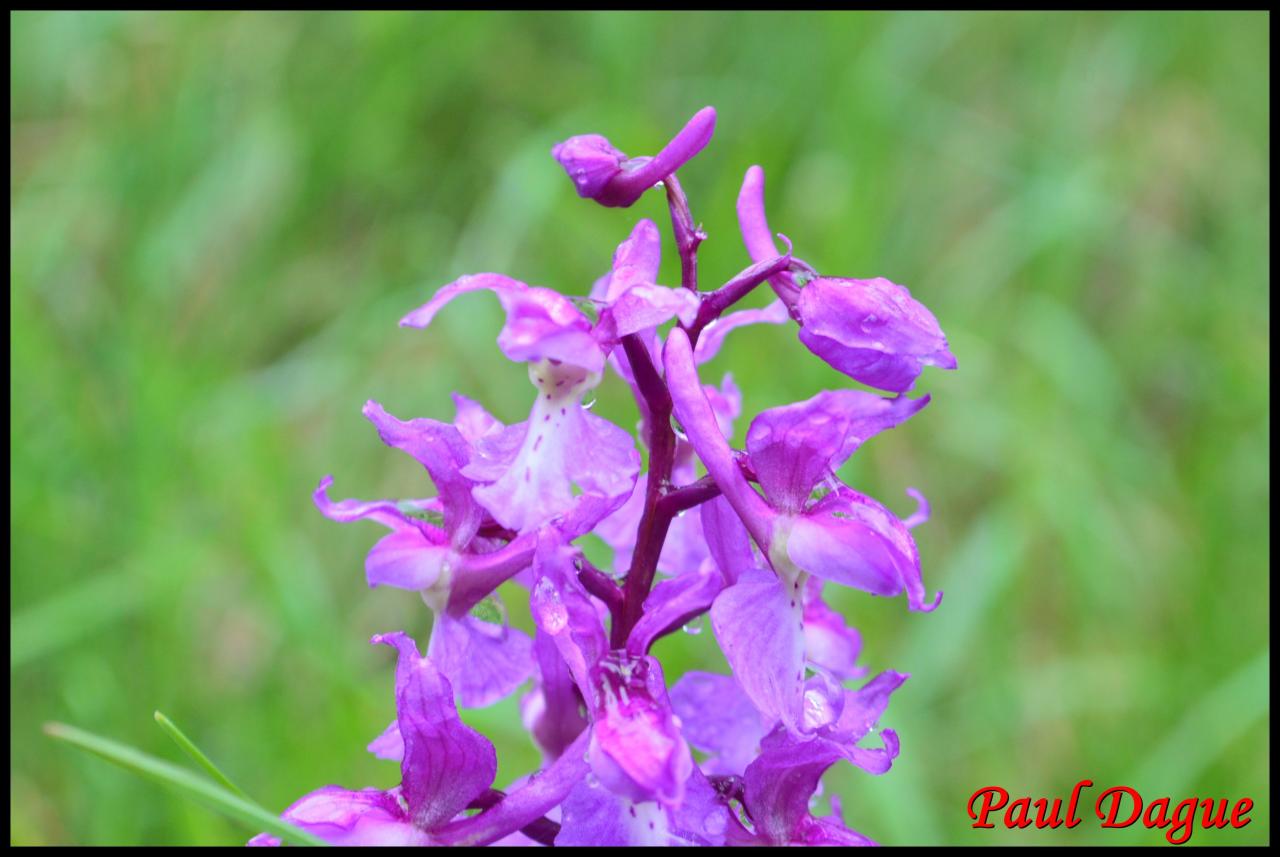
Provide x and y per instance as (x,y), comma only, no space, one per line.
(718,718)
(389,745)
(779,784)
(618,530)
(871,330)
(635,262)
(478,574)
(446,763)
(538,479)
(442,450)
(702,818)
(698,420)
(672,603)
(794,447)
(538,795)
(483,661)
(759,627)
(541,323)
(472,420)
(263,840)
(553,711)
(405,559)
(726,403)
(564,611)
(365,817)
(921,514)
(713,334)
(829,832)
(592,815)
(829,643)
(863,707)
(850,539)
(639,174)
(644,306)
(636,747)
(755,231)
(727,539)
(389,513)
(590,160)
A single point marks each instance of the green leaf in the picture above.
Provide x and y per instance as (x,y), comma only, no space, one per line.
(189,747)
(193,786)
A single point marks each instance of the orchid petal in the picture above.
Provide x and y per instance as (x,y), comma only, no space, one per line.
(759,627)
(483,661)
(871,330)
(850,539)
(795,446)
(446,763)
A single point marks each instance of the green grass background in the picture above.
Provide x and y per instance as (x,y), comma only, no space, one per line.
(217,220)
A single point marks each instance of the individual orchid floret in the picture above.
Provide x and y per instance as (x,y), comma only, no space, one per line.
(541,324)
(871,330)
(601,172)
(630,297)
(445,764)
(644,783)
(778,785)
(844,537)
(454,567)
(528,474)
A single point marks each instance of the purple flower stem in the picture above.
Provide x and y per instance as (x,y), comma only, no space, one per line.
(600,585)
(696,493)
(542,831)
(688,236)
(715,303)
(652,531)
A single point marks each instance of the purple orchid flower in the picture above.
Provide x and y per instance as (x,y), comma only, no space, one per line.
(644,787)
(871,330)
(777,786)
(513,502)
(601,172)
(444,765)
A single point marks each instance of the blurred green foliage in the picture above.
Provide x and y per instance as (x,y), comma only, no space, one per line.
(217,220)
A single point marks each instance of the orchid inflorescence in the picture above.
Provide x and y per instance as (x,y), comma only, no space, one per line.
(512,500)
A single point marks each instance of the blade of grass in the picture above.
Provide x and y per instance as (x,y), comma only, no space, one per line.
(73,615)
(193,786)
(189,747)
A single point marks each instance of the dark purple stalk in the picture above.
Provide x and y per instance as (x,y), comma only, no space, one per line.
(696,493)
(543,830)
(688,236)
(715,303)
(601,586)
(652,531)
